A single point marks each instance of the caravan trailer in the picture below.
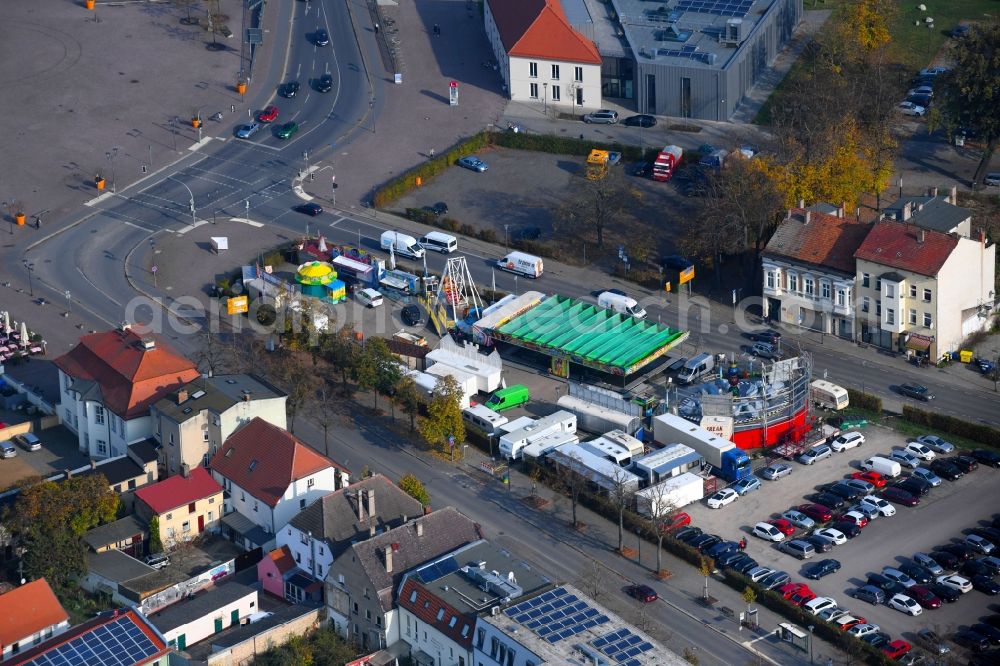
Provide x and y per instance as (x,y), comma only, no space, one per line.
(512,443)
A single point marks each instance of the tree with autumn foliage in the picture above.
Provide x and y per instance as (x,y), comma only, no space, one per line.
(50,519)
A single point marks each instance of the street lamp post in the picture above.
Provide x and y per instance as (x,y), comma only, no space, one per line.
(11,219)
(194,219)
(638,538)
(371,111)
(811,628)
(545,99)
(30,268)
(506,242)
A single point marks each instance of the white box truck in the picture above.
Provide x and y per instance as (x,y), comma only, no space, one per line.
(728,461)
(466,381)
(670,495)
(621,304)
(513,442)
(401,244)
(521,263)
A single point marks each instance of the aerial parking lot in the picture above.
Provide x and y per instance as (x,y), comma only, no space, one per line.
(943,516)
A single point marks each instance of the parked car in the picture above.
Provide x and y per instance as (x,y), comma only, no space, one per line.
(937,444)
(819,604)
(744,564)
(819,452)
(967,464)
(797,593)
(848,440)
(28,441)
(783,526)
(992,563)
(642,120)
(603,117)
(934,71)
(920,450)
(904,604)
(836,536)
(828,499)
(896,649)
(870,593)
(817,570)
(880,504)
(774,580)
(798,548)
(910,109)
(928,562)
(769,336)
(932,641)
(985,584)
(799,519)
(914,485)
(818,512)
(948,561)
(918,573)
(904,458)
(986,457)
(991,632)
(887,585)
(959,550)
(848,622)
(473,163)
(865,487)
(848,529)
(979,543)
(855,517)
(722,498)
(956,582)
(643,593)
(758,573)
(705,541)
(892,573)
(776,471)
(970,639)
(873,478)
(767,532)
(898,496)
(928,476)
(921,90)
(862,630)
(688,534)
(915,391)
(974,568)
(868,511)
(841,489)
(946,470)
(721,548)
(746,485)
(820,543)
(923,596)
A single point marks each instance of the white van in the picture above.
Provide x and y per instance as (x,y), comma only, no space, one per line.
(439,242)
(402,244)
(695,368)
(621,304)
(483,418)
(884,466)
(522,264)
(828,395)
(369,298)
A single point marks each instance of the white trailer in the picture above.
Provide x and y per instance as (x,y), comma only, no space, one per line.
(486,368)
(511,443)
(672,429)
(596,469)
(502,312)
(668,462)
(424,382)
(466,381)
(670,495)
(597,419)
(615,447)
(548,443)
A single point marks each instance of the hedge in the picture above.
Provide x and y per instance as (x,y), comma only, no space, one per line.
(407,181)
(977,432)
(863,400)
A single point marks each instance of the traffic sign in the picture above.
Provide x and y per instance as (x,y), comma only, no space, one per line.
(153,268)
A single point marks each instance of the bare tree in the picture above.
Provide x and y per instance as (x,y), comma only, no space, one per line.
(705,568)
(297,381)
(660,508)
(622,495)
(570,482)
(213,356)
(591,579)
(595,205)
(323,413)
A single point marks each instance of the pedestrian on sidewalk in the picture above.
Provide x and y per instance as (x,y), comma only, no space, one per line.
(376,28)
(437,29)
(432,153)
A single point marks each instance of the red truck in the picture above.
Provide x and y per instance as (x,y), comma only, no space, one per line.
(666,162)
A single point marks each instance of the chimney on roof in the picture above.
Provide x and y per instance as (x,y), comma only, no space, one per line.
(953,195)
(907,210)
(420,527)
(147,344)
(920,235)
(802,203)
(362,516)
(185,470)
(370,502)
(427,510)
(388,558)
(246,395)
(67,473)
(182,396)
(125,326)
(93,464)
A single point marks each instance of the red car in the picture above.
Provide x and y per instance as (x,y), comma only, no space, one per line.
(268,115)
(873,478)
(797,593)
(923,596)
(899,496)
(783,526)
(817,512)
(675,522)
(643,593)
(896,649)
(845,623)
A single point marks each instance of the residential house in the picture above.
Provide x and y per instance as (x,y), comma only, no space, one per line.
(193,620)
(923,291)
(185,505)
(270,475)
(128,534)
(123,633)
(441,601)
(191,423)
(933,211)
(362,583)
(542,58)
(29,615)
(323,530)
(808,271)
(563,626)
(107,384)
(274,569)
(109,572)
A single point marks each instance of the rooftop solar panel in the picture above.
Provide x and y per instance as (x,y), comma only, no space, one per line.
(120,642)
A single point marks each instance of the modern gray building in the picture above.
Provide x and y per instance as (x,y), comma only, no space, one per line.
(686,58)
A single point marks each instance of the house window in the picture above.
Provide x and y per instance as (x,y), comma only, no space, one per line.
(302,504)
(298,560)
(98,415)
(191,507)
(440,614)
(890,291)
(555,72)
(825,289)
(913,291)
(378,620)
(211,516)
(841,297)
(255,505)
(170,516)
(204,434)
(368,614)
(556,96)
(413,596)
(533,90)
(310,483)
(102,446)
(770,279)
(866,280)
(809,287)
(131,484)
(890,316)
(186,526)
(866,304)
(243,496)
(913,316)
(927,320)
(878,285)
(927,295)
(170,533)
(533,70)
(793,282)
(114,424)
(578,74)
(171,439)
(878,308)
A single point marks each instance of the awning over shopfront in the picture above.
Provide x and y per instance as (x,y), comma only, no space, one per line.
(918,343)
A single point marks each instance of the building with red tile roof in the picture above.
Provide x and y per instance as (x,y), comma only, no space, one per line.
(922,291)
(808,270)
(107,383)
(185,505)
(269,476)
(29,614)
(542,56)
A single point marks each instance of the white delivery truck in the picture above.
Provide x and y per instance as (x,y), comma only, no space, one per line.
(439,242)
(883,466)
(401,244)
(695,368)
(521,263)
(621,304)
(512,443)
(670,495)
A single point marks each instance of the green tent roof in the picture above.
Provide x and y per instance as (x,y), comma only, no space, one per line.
(595,336)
